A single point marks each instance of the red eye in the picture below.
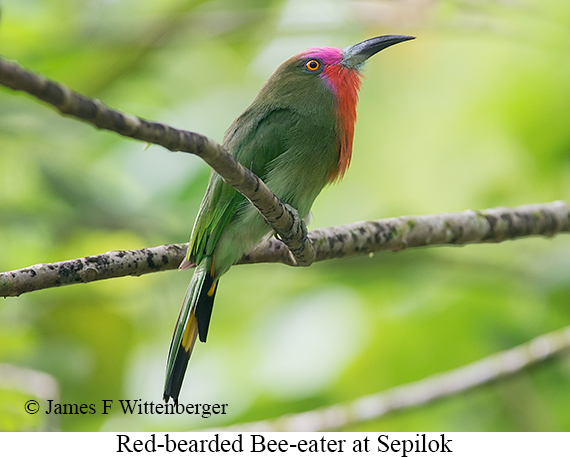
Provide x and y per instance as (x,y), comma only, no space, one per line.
(313,65)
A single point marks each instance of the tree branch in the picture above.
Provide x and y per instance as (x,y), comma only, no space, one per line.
(371,407)
(394,234)
(282,218)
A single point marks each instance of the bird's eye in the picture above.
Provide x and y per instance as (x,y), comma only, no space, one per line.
(312,65)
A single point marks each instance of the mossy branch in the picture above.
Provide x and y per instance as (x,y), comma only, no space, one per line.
(394,234)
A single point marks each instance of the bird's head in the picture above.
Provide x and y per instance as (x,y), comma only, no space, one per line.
(321,80)
(329,63)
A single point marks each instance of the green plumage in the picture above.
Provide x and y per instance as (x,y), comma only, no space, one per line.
(290,143)
(287,137)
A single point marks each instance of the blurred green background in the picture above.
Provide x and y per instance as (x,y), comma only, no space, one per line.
(472,114)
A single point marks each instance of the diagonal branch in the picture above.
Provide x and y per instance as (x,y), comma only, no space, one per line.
(282,218)
(371,407)
(394,234)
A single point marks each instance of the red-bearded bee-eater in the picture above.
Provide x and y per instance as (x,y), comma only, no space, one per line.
(297,137)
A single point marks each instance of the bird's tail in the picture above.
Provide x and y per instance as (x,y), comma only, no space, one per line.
(193,322)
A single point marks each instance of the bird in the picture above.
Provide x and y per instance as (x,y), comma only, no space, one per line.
(297,137)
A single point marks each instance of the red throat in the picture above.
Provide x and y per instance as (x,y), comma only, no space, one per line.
(344,83)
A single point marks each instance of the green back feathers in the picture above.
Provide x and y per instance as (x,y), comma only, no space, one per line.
(287,137)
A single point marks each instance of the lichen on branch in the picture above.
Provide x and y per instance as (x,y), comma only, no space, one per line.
(394,234)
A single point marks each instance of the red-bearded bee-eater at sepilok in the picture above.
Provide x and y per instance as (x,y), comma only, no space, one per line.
(297,137)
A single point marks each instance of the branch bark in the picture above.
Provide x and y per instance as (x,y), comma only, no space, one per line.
(394,234)
(371,407)
(282,218)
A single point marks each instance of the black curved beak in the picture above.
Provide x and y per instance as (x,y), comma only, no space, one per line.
(357,54)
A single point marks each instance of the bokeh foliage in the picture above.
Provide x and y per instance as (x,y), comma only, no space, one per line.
(472,114)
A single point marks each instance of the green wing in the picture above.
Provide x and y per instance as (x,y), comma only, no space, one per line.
(254,141)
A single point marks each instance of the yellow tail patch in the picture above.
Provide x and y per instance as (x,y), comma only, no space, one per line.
(190,332)
(212,289)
